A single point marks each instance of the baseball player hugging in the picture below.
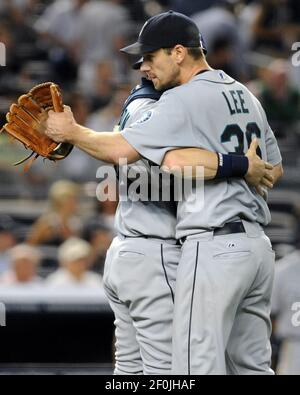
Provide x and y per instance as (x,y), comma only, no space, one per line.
(225,273)
(216,320)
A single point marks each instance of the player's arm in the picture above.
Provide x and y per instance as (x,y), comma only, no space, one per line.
(176,160)
(109,147)
(112,146)
(256,171)
(106,146)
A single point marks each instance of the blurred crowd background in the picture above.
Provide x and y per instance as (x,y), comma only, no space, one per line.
(53,230)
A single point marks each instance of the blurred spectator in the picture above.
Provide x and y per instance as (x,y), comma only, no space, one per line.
(221,57)
(247,14)
(61,221)
(102,31)
(99,235)
(59,21)
(74,256)
(24,6)
(11,61)
(220,29)
(101,23)
(7,240)
(25,37)
(279,98)
(107,117)
(24,262)
(276,26)
(106,209)
(189,7)
(285,309)
(20,40)
(136,10)
(97,80)
(58,27)
(79,105)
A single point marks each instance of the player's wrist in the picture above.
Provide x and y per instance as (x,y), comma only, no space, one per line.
(230,166)
(74,133)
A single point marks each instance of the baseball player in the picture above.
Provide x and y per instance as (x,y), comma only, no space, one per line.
(112,146)
(140,267)
(225,274)
(145,249)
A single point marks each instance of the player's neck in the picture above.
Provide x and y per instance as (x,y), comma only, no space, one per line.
(194,69)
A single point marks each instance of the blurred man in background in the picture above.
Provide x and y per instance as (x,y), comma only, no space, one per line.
(74,256)
(24,262)
(61,221)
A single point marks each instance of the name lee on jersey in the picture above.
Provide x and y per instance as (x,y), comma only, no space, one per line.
(235,102)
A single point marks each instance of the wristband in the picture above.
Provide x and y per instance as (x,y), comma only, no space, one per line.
(230,165)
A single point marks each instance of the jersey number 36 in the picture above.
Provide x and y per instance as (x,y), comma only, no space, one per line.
(234,130)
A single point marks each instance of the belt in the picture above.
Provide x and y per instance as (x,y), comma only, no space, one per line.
(231,227)
(227,229)
(174,241)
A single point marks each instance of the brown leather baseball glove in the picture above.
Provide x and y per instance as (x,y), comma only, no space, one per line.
(26,122)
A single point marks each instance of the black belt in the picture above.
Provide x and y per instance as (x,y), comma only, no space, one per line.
(231,227)
(177,242)
(227,229)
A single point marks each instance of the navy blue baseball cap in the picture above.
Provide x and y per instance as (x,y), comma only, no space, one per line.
(165,31)
(137,64)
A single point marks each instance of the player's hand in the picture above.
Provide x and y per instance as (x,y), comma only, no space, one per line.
(61,125)
(259,172)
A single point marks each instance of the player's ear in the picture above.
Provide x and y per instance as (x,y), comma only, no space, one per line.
(180,53)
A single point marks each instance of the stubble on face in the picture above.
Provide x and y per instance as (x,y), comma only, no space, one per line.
(169,78)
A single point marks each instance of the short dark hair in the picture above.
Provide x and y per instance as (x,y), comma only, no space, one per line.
(167,50)
(195,52)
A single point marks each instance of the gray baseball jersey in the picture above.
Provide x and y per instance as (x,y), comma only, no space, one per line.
(185,117)
(143,217)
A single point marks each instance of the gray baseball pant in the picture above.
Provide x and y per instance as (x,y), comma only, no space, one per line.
(139,281)
(222,305)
